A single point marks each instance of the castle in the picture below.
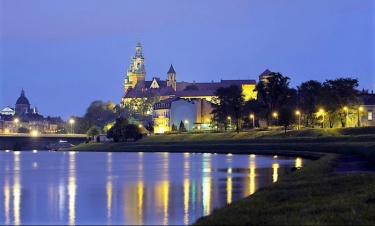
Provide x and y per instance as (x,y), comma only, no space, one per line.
(137,87)
(135,83)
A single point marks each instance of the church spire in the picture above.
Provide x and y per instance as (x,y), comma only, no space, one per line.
(171,77)
(171,70)
(136,74)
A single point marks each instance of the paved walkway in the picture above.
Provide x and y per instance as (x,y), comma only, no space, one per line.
(354,164)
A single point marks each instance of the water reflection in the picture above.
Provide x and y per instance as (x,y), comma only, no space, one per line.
(7,194)
(206,183)
(275,167)
(72,186)
(128,188)
(17,189)
(298,162)
(252,175)
(186,185)
(109,186)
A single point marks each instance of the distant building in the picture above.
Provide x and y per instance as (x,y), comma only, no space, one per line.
(367,114)
(8,111)
(23,116)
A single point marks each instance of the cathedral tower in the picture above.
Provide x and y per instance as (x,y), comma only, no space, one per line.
(136,73)
(171,77)
(22,104)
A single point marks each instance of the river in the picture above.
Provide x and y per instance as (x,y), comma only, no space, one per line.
(43,187)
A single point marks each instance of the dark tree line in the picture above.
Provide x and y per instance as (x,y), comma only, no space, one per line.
(123,130)
(277,103)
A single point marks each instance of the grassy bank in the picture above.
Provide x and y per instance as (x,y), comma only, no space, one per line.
(350,140)
(311,195)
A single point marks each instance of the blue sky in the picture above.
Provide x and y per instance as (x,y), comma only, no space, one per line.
(66,54)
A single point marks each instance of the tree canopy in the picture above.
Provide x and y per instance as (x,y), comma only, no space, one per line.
(273,93)
(337,94)
(122,130)
(229,102)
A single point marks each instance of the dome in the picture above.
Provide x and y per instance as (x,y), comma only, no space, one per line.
(22,99)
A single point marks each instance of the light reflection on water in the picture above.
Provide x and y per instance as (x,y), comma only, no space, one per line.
(73,188)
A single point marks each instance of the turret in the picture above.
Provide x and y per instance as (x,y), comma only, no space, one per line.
(171,77)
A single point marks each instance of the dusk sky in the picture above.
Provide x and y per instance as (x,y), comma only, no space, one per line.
(67,54)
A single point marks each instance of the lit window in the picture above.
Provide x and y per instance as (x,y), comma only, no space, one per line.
(369,115)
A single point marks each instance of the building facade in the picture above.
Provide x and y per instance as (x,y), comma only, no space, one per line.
(368,110)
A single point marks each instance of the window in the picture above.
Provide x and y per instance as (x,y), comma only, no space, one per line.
(369,115)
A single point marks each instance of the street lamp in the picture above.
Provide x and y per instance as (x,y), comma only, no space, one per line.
(16,120)
(322,112)
(71,121)
(299,119)
(252,117)
(186,121)
(230,121)
(359,118)
(347,115)
(277,118)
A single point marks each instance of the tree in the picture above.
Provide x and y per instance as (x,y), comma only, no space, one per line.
(132,132)
(286,116)
(182,127)
(117,132)
(174,127)
(83,124)
(141,107)
(337,94)
(93,132)
(273,93)
(229,102)
(100,113)
(253,107)
(308,94)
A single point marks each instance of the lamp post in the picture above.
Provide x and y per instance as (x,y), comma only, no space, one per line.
(359,118)
(346,117)
(186,121)
(299,119)
(322,112)
(277,118)
(71,121)
(230,121)
(252,117)
(16,120)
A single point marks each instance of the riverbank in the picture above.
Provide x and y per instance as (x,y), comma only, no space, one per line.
(315,194)
(341,141)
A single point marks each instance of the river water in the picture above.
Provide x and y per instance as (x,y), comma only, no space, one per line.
(42,187)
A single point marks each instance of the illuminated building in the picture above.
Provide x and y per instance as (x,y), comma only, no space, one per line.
(23,116)
(136,87)
(135,82)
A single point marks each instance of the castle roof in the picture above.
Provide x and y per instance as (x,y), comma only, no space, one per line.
(137,93)
(213,85)
(171,70)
